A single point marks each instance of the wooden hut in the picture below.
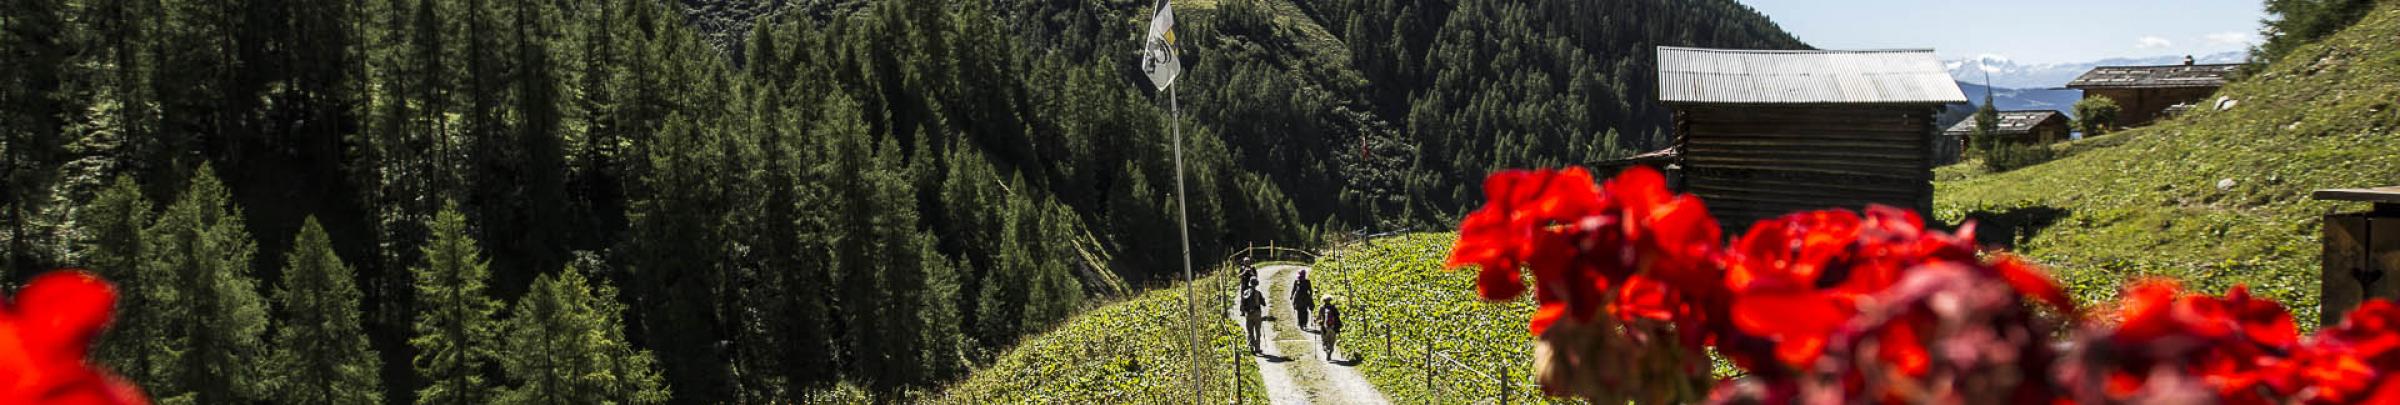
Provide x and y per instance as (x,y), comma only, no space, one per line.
(2025,127)
(1760,134)
(2144,93)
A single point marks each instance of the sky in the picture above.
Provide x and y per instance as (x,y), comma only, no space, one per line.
(2025,31)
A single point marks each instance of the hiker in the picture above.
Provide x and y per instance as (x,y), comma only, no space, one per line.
(1302,296)
(1329,324)
(1249,274)
(1252,305)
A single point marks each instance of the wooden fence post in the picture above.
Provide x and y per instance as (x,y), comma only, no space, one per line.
(1504,386)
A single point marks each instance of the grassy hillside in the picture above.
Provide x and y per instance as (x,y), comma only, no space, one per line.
(1131,351)
(2218,197)
(1401,306)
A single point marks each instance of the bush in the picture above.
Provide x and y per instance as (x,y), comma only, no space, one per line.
(2010,155)
(2095,115)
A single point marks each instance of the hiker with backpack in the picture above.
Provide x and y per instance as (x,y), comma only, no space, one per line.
(1302,296)
(1329,325)
(1252,305)
(1249,274)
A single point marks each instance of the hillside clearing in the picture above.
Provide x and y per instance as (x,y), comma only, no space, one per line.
(2148,201)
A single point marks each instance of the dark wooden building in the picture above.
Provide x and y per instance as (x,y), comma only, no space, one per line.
(1759,134)
(2144,93)
(2029,127)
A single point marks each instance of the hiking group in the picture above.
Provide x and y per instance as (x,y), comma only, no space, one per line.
(1254,306)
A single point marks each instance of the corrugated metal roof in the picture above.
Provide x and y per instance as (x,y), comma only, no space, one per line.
(2011,122)
(1732,76)
(2169,76)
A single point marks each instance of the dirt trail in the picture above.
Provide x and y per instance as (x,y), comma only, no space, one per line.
(1294,369)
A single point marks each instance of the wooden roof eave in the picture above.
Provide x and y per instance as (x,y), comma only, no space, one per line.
(2093,86)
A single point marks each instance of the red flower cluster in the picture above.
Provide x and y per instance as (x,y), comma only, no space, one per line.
(1585,241)
(1876,306)
(2349,363)
(45,336)
(1630,249)
(1834,306)
(2237,349)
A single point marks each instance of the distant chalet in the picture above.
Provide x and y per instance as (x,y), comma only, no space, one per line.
(2144,93)
(2027,127)
(1763,133)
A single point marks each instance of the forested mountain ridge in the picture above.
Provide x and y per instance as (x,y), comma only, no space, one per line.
(872,193)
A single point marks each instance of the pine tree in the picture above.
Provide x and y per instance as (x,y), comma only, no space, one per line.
(1002,296)
(1056,292)
(943,354)
(321,350)
(543,180)
(797,330)
(566,345)
(221,319)
(1987,121)
(455,325)
(2292,23)
(138,345)
(34,53)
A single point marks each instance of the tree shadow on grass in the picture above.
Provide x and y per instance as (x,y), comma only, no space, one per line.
(2009,227)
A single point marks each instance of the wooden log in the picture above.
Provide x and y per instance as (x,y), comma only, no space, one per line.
(1904,171)
(1870,125)
(1800,142)
(1885,194)
(1900,159)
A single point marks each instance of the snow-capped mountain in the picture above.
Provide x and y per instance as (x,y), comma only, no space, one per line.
(2009,74)
(2007,99)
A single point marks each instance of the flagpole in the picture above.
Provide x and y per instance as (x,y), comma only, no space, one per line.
(1191,300)
(1160,63)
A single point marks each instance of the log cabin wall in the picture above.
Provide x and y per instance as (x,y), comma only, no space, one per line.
(2142,106)
(2053,130)
(1753,162)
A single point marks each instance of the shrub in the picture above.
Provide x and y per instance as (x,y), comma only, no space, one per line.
(2096,115)
(2006,156)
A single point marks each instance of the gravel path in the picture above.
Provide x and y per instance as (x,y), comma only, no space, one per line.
(1294,370)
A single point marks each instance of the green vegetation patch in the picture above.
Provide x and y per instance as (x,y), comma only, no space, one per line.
(1400,306)
(2217,197)
(1133,351)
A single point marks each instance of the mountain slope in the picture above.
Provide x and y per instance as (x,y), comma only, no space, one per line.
(2010,74)
(2009,99)
(2216,197)
(1348,107)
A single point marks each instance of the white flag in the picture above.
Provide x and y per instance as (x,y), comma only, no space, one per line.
(1158,48)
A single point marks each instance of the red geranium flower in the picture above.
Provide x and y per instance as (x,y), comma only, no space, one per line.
(45,336)
(2236,344)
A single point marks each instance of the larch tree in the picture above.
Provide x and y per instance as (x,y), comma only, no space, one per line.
(113,227)
(321,353)
(455,326)
(219,319)
(566,344)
